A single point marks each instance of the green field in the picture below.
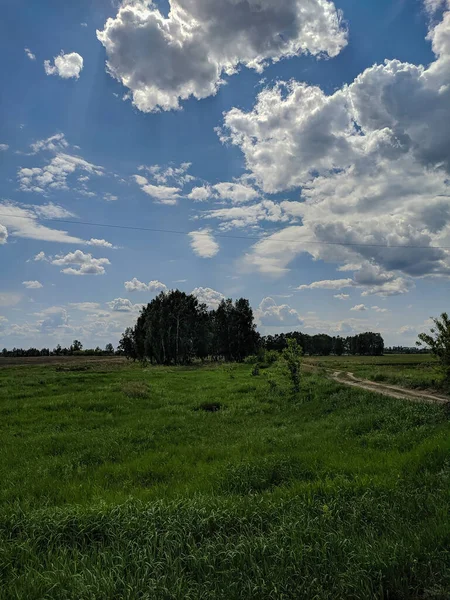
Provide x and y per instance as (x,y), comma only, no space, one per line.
(124,482)
(418,371)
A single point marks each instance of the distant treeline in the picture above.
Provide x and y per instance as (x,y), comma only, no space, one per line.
(175,328)
(406,350)
(365,344)
(76,349)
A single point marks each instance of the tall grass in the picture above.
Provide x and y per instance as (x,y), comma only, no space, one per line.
(115,485)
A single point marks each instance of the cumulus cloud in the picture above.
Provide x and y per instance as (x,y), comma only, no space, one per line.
(23,222)
(161,193)
(30,55)
(207,296)
(271,314)
(53,176)
(327,284)
(100,243)
(203,243)
(85,263)
(65,65)
(4,147)
(359,307)
(371,162)
(32,285)
(138,286)
(169,173)
(237,193)
(250,215)
(122,305)
(163,60)
(342,296)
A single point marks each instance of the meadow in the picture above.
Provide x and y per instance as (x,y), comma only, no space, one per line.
(126,482)
(416,371)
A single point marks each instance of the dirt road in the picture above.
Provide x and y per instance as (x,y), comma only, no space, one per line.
(388,390)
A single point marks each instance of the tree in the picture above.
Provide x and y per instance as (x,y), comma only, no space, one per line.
(76,346)
(109,349)
(127,345)
(292,356)
(439,343)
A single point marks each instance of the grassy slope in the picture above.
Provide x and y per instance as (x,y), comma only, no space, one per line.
(114,486)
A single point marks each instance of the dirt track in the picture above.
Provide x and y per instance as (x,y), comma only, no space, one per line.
(388,390)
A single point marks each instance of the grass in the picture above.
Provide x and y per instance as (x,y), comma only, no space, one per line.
(419,371)
(123,482)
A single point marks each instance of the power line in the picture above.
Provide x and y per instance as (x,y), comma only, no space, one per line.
(223,235)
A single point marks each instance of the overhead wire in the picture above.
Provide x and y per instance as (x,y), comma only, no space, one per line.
(221,235)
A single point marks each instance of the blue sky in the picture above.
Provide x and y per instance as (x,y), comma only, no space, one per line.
(303,151)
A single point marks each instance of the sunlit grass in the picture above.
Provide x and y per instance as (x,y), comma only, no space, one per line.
(122,483)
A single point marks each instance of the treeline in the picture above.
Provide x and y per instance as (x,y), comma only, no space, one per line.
(365,344)
(75,349)
(406,350)
(175,328)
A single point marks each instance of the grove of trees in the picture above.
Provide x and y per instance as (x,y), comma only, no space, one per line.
(176,328)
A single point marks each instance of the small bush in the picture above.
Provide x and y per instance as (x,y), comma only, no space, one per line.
(255,370)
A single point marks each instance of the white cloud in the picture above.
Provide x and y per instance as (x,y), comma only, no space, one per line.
(54,143)
(327,284)
(4,147)
(110,197)
(162,175)
(270,314)
(165,60)
(83,24)
(3,234)
(65,65)
(359,307)
(371,162)
(23,222)
(87,265)
(203,243)
(30,55)
(380,310)
(52,211)
(342,296)
(100,243)
(250,215)
(32,285)
(122,305)
(162,193)
(137,286)
(53,176)
(207,296)
(200,194)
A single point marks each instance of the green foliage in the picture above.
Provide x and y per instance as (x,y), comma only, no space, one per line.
(439,343)
(206,486)
(292,356)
